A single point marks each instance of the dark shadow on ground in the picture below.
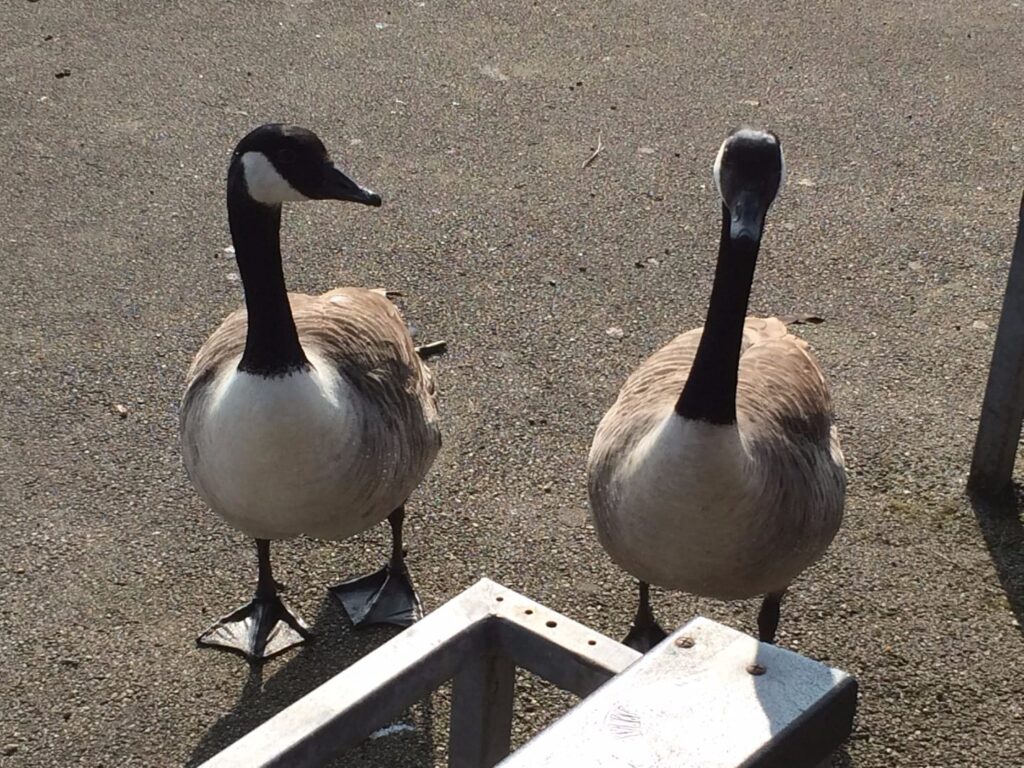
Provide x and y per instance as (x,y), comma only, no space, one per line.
(270,688)
(999,519)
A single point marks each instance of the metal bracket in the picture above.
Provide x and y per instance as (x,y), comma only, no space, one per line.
(477,638)
(1002,411)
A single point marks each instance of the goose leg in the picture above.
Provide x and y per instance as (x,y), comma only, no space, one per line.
(387,596)
(768,616)
(265,626)
(645,632)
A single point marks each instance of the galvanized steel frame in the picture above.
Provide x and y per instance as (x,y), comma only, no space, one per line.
(477,639)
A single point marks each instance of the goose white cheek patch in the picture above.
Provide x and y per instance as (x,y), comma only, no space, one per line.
(265,184)
(782,171)
(718,168)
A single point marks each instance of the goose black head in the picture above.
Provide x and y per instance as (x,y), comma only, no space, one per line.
(749,172)
(277,163)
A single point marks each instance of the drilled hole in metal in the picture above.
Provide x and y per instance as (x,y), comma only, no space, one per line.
(591,642)
(499,599)
(529,611)
(552,623)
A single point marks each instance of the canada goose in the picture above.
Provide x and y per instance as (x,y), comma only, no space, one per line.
(718,470)
(304,415)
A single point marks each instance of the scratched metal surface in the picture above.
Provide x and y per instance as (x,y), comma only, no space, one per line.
(692,703)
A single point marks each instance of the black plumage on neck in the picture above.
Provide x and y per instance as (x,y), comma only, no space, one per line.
(710,391)
(272,345)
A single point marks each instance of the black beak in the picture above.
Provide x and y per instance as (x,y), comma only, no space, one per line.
(747,218)
(337,186)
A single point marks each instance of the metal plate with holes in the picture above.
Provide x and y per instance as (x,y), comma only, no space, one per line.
(709,696)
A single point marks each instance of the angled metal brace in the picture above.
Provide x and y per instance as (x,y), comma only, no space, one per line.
(776,707)
(475,638)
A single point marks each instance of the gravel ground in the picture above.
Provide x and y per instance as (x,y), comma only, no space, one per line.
(902,129)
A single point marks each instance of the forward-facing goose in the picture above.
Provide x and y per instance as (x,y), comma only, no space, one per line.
(304,415)
(718,469)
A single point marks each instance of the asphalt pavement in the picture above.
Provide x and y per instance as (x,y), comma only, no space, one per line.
(550,278)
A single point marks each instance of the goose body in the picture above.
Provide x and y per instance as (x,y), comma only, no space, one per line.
(718,470)
(724,511)
(304,415)
(325,451)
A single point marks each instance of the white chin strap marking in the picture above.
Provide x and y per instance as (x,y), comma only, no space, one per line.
(265,184)
(718,167)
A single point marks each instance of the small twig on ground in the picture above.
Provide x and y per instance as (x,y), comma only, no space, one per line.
(941,556)
(593,157)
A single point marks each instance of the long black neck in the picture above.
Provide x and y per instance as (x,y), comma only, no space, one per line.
(710,390)
(272,344)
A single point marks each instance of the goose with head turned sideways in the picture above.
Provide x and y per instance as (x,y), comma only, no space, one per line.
(718,469)
(304,415)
